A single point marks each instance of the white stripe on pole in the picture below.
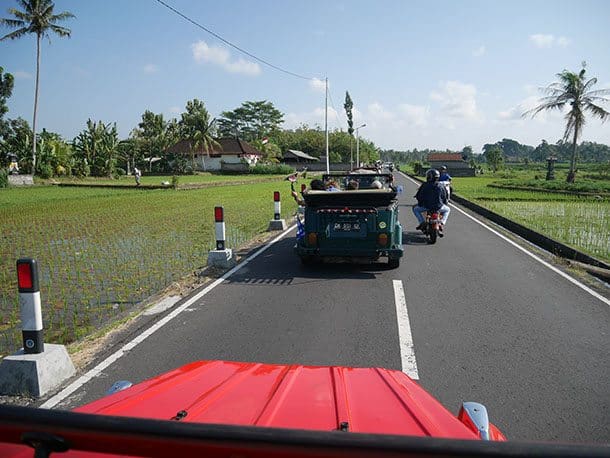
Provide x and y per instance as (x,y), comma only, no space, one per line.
(278,210)
(31,314)
(220,235)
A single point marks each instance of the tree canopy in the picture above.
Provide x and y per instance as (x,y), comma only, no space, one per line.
(253,120)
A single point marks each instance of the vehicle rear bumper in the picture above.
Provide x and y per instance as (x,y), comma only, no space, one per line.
(352,253)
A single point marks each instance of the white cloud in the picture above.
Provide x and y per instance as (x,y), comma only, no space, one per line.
(22,75)
(416,115)
(547,40)
(151,68)
(516,113)
(318,85)
(457,100)
(479,51)
(220,56)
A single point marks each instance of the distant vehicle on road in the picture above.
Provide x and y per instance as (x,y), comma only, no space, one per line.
(357,225)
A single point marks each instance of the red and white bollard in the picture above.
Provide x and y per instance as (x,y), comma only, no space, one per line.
(29,302)
(222,256)
(277,223)
(278,205)
(38,368)
(220,227)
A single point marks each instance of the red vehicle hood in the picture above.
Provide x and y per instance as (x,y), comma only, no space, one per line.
(287,396)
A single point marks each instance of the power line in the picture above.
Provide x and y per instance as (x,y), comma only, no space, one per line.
(333,105)
(231,44)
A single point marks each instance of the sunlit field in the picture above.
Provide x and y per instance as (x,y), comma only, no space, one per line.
(101,251)
(581,222)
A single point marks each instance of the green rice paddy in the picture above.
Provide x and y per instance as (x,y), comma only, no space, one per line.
(101,251)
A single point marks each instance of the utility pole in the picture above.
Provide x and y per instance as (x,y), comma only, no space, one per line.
(357,129)
(326,126)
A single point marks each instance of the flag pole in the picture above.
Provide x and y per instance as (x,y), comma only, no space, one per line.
(326,126)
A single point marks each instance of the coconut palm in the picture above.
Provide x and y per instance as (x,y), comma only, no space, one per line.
(574,91)
(196,127)
(37,17)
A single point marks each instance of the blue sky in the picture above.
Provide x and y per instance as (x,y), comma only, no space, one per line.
(435,74)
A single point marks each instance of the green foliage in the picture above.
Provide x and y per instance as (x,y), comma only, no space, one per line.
(348,106)
(44,170)
(97,148)
(19,141)
(6,89)
(493,156)
(342,146)
(271,169)
(3,177)
(252,121)
(196,127)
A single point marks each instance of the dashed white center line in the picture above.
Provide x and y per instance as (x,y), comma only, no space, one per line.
(407,352)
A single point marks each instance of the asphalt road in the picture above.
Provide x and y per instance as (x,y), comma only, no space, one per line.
(488,323)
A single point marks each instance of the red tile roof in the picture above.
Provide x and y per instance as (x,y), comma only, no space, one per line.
(440,157)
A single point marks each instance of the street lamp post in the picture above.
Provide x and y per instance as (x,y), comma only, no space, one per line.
(358,144)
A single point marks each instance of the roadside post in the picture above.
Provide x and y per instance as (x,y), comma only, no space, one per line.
(277,224)
(37,368)
(221,256)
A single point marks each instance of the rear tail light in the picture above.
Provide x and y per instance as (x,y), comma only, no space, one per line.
(312,239)
(382,239)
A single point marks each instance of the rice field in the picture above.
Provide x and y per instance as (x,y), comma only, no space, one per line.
(102,251)
(580,222)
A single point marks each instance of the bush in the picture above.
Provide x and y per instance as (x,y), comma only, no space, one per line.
(271,169)
(3,178)
(45,171)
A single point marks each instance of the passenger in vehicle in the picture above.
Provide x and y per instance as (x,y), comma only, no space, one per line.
(431,196)
(352,185)
(332,186)
(376,184)
(315,185)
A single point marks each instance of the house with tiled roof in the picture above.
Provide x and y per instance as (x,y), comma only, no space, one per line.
(228,151)
(456,165)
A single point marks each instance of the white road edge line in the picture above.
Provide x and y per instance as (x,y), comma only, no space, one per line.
(407,352)
(532,255)
(63,394)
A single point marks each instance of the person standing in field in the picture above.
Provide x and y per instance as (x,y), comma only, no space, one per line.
(137,175)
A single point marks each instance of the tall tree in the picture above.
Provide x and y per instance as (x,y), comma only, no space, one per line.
(348,106)
(253,120)
(37,17)
(196,127)
(493,155)
(574,91)
(6,89)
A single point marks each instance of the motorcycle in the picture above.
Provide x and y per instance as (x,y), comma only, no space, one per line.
(432,227)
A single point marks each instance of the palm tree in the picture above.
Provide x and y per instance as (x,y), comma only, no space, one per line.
(37,17)
(196,127)
(574,91)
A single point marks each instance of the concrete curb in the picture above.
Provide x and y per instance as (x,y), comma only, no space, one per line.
(548,244)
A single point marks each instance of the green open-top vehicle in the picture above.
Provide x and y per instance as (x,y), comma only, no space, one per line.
(360,224)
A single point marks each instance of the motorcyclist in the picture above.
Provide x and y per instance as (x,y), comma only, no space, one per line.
(431,197)
(445,179)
